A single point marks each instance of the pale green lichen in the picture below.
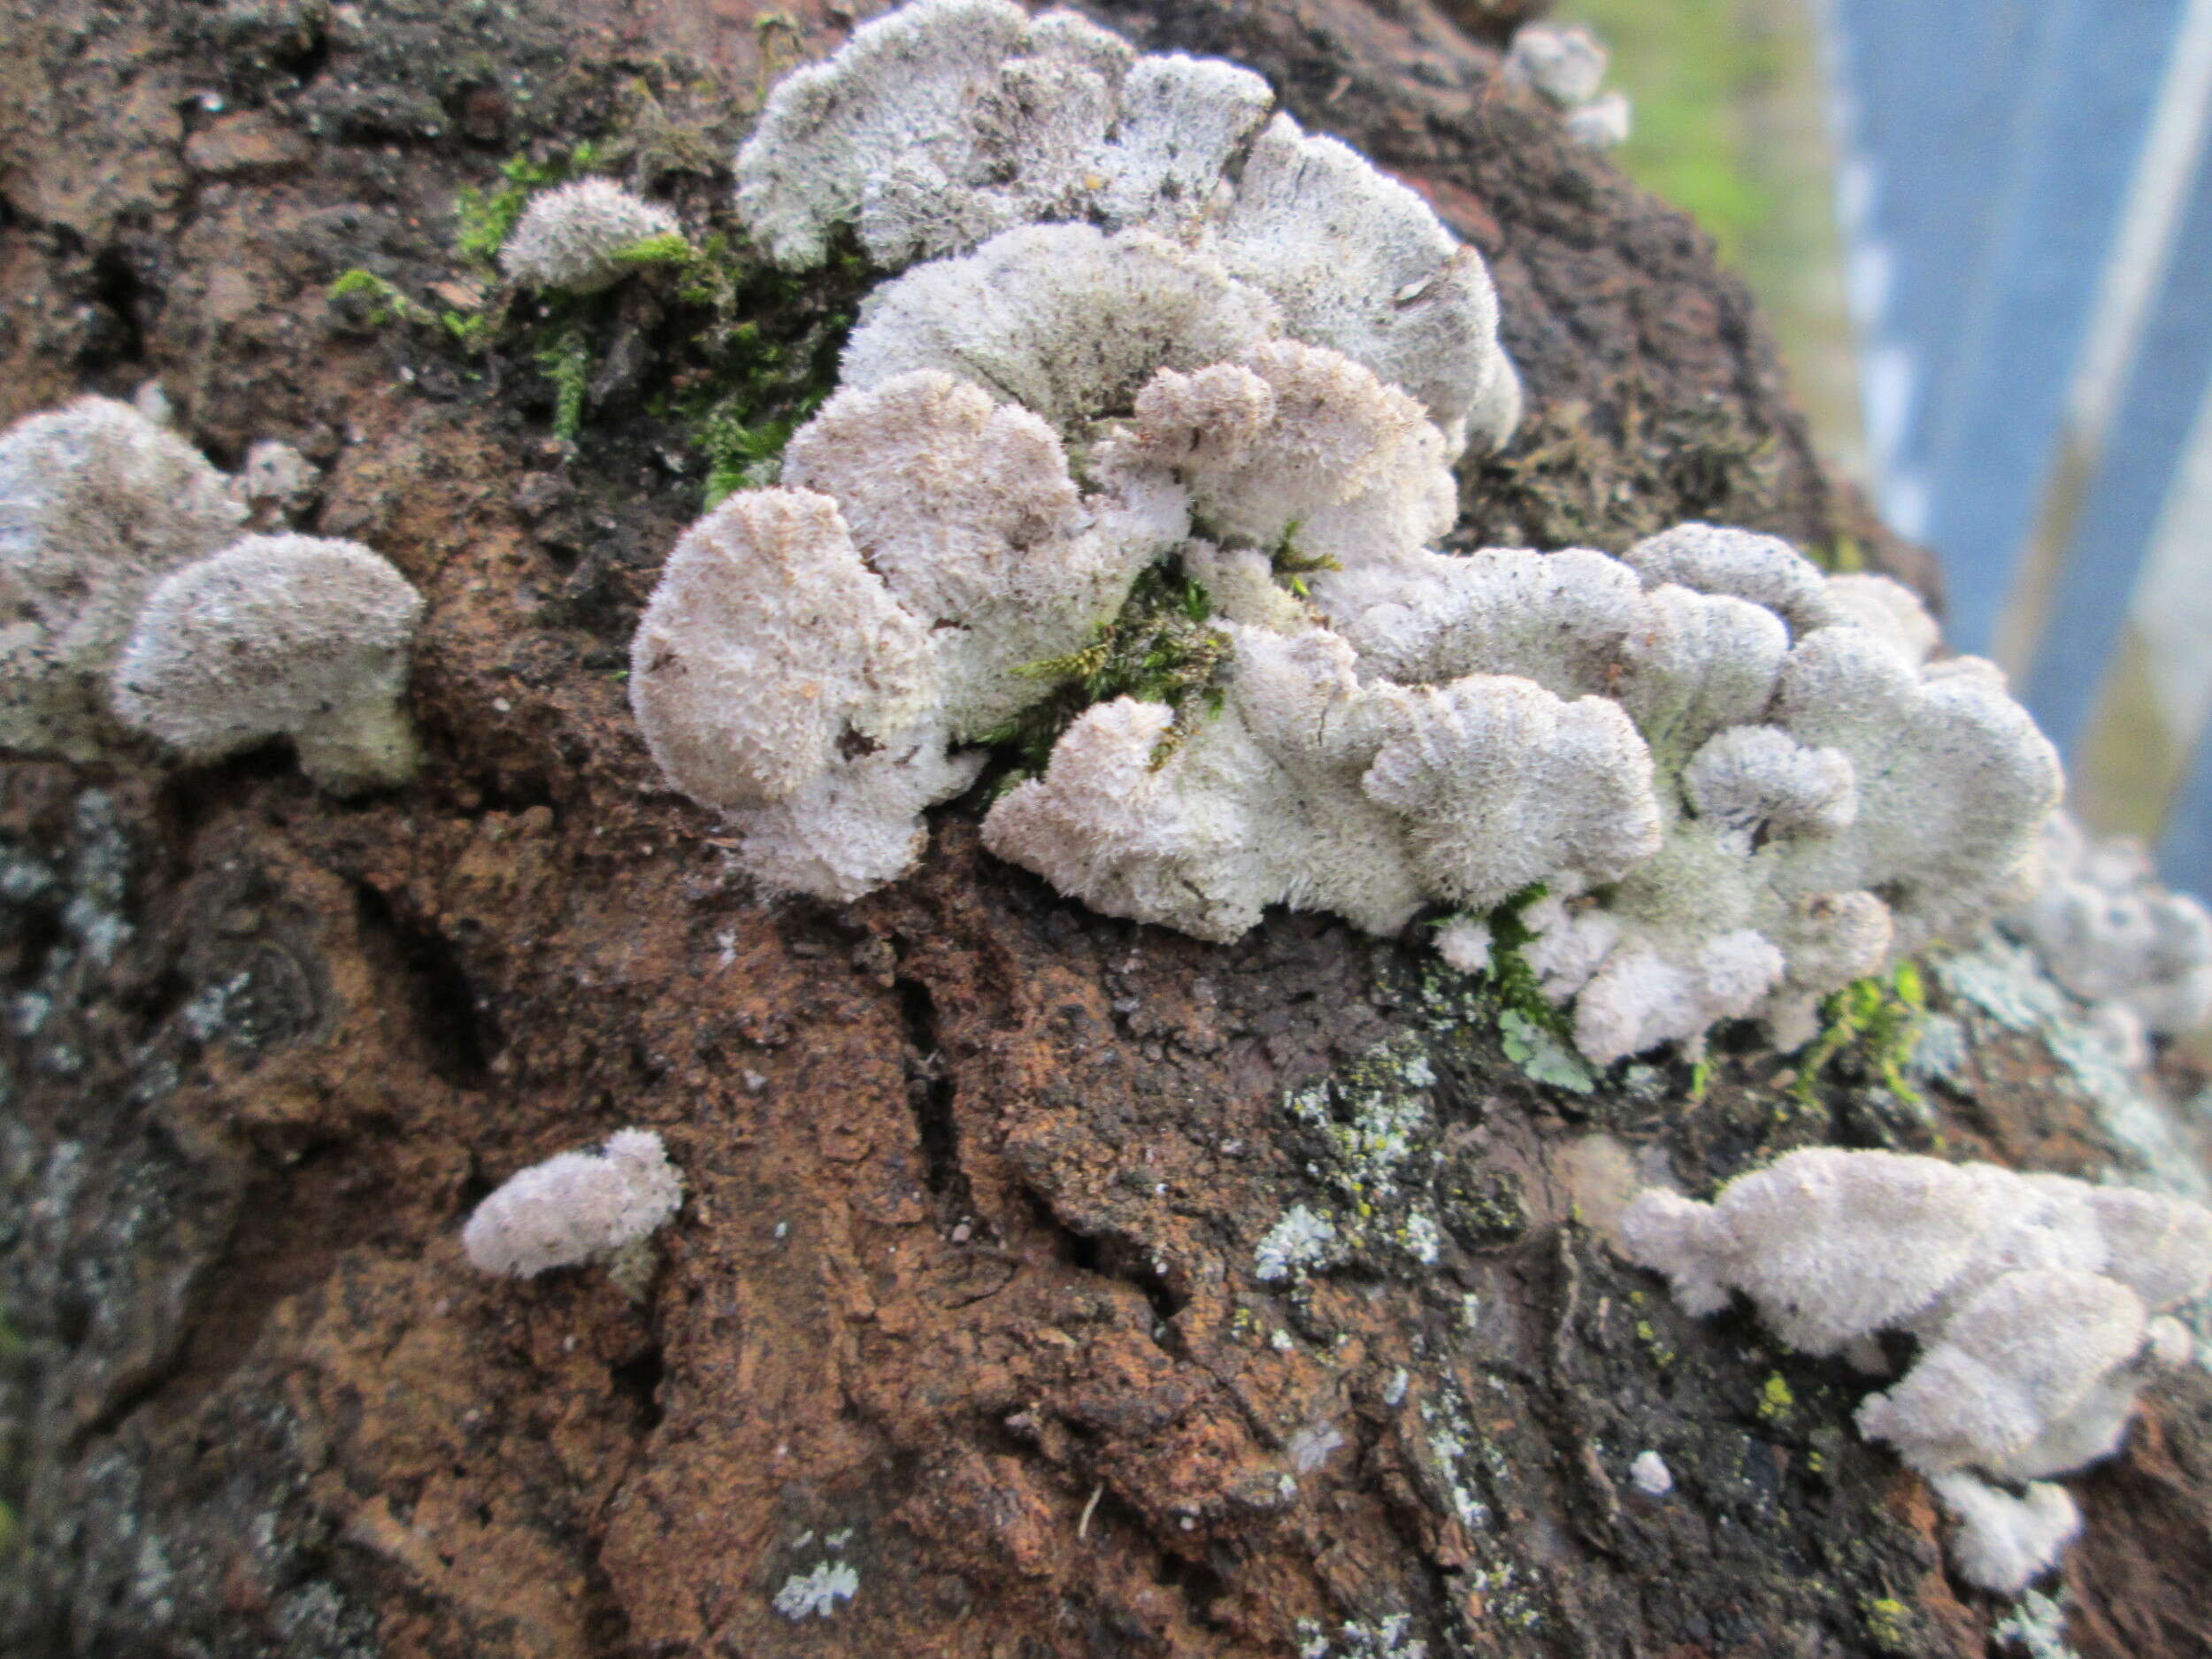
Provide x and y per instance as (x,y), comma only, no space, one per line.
(1294,1246)
(1450,1442)
(2003,979)
(1384,1638)
(1776,1401)
(2035,1628)
(1375,1135)
(1542,1057)
(816,1593)
(1942,1053)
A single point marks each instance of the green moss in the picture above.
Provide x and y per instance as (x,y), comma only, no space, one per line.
(483,219)
(671,248)
(1162,648)
(377,301)
(1291,567)
(567,364)
(1876,1021)
(1514,983)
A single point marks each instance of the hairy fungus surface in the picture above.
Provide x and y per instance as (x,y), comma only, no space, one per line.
(2111,933)
(948,126)
(1739,782)
(278,637)
(576,1207)
(569,237)
(96,505)
(2037,1301)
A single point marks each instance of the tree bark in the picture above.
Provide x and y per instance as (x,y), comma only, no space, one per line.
(962,1295)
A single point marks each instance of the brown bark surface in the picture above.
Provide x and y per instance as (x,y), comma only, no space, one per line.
(963,1293)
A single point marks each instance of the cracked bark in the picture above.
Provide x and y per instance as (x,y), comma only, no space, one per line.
(964,1282)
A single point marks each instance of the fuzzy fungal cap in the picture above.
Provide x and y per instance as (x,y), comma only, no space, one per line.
(278,637)
(276,485)
(769,651)
(1650,1474)
(1566,65)
(96,503)
(967,512)
(777,678)
(947,125)
(1739,794)
(1602,123)
(1063,319)
(2031,1297)
(1155,327)
(1359,263)
(2006,1541)
(1740,781)
(569,237)
(576,1207)
(2111,934)
(1294,446)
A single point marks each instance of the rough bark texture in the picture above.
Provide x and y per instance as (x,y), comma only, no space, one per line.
(963,1293)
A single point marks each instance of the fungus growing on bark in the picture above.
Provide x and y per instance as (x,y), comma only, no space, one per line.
(966,511)
(1566,63)
(1787,816)
(947,125)
(2033,1297)
(2113,936)
(1739,781)
(278,637)
(576,1207)
(569,237)
(96,503)
(775,677)
(275,485)
(1063,319)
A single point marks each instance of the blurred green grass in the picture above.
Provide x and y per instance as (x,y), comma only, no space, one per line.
(1729,126)
(1691,69)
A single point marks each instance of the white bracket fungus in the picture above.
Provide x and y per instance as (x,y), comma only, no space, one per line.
(817,1593)
(775,677)
(966,511)
(1650,1474)
(1740,781)
(1567,65)
(1728,823)
(2111,934)
(1063,319)
(2032,1297)
(569,237)
(96,503)
(275,485)
(278,637)
(950,123)
(575,1207)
